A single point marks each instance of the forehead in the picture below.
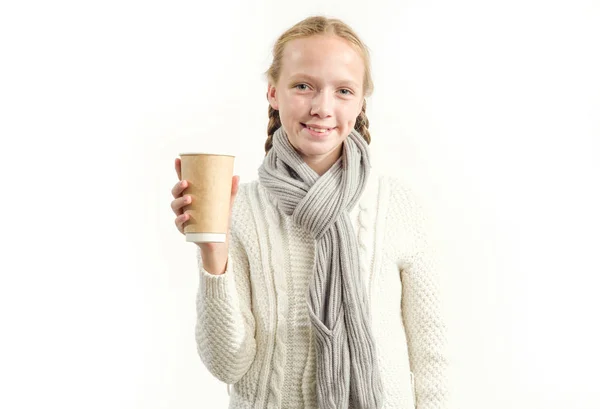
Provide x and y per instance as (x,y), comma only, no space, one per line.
(326,57)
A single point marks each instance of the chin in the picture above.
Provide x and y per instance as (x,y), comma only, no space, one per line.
(317,148)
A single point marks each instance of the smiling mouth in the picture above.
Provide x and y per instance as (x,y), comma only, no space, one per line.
(317,130)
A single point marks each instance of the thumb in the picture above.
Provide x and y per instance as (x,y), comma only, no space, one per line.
(235,185)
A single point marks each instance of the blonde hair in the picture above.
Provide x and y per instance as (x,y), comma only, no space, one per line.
(319,25)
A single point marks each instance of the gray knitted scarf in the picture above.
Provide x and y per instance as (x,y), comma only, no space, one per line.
(347,370)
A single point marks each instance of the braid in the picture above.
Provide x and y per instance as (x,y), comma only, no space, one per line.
(274,124)
(362,123)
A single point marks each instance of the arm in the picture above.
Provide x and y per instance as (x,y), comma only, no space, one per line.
(422,312)
(225,324)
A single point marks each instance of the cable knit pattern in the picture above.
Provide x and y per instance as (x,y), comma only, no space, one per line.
(253,329)
(279,269)
(299,369)
(364,227)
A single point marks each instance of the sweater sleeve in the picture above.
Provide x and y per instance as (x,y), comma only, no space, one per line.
(422,310)
(225,324)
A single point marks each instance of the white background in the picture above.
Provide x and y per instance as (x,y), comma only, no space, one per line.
(490,110)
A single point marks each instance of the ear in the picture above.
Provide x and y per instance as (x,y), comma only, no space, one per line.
(272,97)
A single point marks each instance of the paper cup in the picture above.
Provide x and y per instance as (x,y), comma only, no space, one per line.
(209,179)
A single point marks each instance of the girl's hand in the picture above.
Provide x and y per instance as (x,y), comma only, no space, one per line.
(214,255)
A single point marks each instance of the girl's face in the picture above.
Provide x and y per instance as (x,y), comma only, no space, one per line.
(318,96)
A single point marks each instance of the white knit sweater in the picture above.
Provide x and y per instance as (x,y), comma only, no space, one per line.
(253,330)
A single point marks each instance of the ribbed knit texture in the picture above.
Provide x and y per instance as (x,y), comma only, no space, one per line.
(346,359)
(253,329)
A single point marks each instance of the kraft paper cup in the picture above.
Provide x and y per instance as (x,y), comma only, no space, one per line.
(209,179)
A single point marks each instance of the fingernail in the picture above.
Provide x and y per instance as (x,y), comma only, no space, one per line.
(183,183)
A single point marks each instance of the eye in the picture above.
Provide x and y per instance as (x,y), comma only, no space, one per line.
(346,93)
(301,85)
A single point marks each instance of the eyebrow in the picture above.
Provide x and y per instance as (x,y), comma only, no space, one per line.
(296,77)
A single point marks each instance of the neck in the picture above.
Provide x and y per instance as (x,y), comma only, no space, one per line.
(322,163)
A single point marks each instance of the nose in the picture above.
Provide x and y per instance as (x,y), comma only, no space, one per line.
(322,104)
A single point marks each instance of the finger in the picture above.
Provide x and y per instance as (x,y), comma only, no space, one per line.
(178,167)
(180,221)
(178,204)
(235,185)
(179,188)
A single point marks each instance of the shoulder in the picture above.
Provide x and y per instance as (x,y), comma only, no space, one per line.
(390,186)
(408,223)
(405,204)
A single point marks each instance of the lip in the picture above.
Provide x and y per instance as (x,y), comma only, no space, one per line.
(318,135)
(318,126)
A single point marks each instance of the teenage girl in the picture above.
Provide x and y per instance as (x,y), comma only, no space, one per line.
(325,294)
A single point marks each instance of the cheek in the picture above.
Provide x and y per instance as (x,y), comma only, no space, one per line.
(349,117)
(297,105)
(348,111)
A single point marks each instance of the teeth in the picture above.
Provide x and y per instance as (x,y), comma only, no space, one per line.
(318,130)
